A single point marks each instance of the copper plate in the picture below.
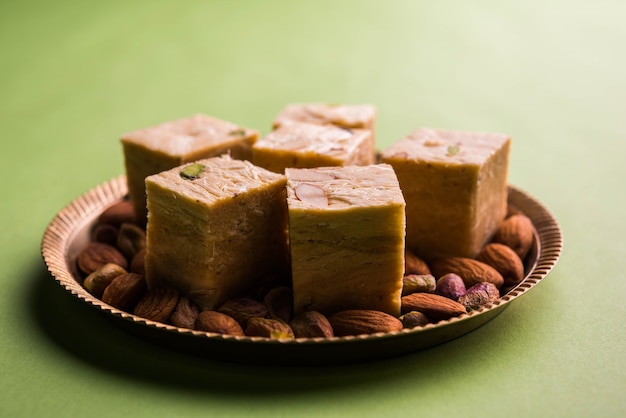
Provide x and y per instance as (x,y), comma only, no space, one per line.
(69,231)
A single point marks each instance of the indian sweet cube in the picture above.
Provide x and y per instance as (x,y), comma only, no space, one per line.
(162,147)
(455,187)
(346,234)
(215,227)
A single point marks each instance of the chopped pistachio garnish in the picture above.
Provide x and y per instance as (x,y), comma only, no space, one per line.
(452,150)
(192,171)
(237,132)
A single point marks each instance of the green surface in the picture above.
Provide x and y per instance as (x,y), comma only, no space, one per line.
(74,76)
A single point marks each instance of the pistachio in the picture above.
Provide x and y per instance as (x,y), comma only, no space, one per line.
(450,285)
(131,239)
(311,324)
(478,295)
(217,322)
(97,281)
(96,255)
(192,171)
(237,132)
(268,328)
(418,283)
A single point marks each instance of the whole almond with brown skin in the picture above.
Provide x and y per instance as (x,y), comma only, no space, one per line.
(97,281)
(414,319)
(268,328)
(185,313)
(414,265)
(516,232)
(471,271)
(435,307)
(505,261)
(217,322)
(97,254)
(242,309)
(118,213)
(363,321)
(279,303)
(311,324)
(131,239)
(125,291)
(138,263)
(157,304)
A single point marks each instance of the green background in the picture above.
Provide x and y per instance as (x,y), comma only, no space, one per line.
(74,76)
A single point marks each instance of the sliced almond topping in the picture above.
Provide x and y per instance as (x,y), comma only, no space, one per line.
(311,195)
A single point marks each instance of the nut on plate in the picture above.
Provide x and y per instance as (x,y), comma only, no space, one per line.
(118,213)
(413,283)
(363,321)
(268,328)
(311,324)
(242,309)
(414,319)
(279,303)
(157,304)
(125,291)
(518,233)
(185,313)
(450,285)
(413,264)
(505,261)
(471,271)
(97,254)
(97,281)
(435,307)
(479,295)
(217,322)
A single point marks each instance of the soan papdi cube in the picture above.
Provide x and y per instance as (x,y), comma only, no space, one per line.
(455,187)
(341,115)
(215,227)
(346,233)
(306,145)
(158,148)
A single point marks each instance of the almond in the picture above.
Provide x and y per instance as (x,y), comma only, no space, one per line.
(97,254)
(471,271)
(363,321)
(413,264)
(516,232)
(213,321)
(157,304)
(125,291)
(434,306)
(268,328)
(185,313)
(505,261)
(311,195)
(242,309)
(311,324)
